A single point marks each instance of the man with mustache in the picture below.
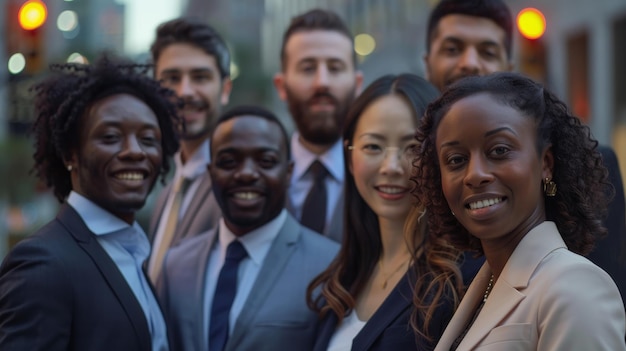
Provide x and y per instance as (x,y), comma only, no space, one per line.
(318,81)
(241,286)
(466,38)
(192,59)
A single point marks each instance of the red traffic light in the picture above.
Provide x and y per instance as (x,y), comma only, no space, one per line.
(32,14)
(531,23)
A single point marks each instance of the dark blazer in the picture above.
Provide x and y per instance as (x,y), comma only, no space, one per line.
(610,251)
(59,290)
(389,327)
(275,315)
(202,214)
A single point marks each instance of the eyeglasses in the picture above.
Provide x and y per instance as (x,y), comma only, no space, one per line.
(377,152)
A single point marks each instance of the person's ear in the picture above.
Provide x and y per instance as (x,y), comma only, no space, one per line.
(548,163)
(227,87)
(279,84)
(426,67)
(359,83)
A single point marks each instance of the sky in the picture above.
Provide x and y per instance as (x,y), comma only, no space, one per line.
(142,18)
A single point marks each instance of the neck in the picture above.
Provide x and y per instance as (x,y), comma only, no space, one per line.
(188,148)
(317,149)
(392,238)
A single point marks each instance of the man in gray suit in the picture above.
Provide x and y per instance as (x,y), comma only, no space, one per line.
(191,59)
(318,81)
(276,257)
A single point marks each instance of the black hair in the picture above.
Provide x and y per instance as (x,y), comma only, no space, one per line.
(194,32)
(583,189)
(495,10)
(65,97)
(254,111)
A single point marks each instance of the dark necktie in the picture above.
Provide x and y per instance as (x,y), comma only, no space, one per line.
(314,208)
(224,295)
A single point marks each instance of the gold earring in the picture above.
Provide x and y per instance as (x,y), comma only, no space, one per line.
(549,187)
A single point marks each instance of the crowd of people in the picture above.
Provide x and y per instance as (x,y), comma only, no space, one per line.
(466,210)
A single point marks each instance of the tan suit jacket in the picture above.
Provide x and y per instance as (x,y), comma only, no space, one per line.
(546,298)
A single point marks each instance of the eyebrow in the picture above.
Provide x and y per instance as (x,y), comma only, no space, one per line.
(407,137)
(487,134)
(193,70)
(457,40)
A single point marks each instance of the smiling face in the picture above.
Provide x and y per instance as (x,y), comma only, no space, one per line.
(382,150)
(491,171)
(250,171)
(119,154)
(465,46)
(319,82)
(194,76)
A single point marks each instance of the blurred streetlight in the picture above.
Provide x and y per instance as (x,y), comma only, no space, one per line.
(364,44)
(32,14)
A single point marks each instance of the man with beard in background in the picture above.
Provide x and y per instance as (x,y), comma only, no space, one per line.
(318,81)
(193,60)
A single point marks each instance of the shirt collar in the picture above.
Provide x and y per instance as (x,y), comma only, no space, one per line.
(196,165)
(331,159)
(257,242)
(102,222)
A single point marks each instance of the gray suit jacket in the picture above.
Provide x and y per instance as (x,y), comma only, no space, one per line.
(202,214)
(275,315)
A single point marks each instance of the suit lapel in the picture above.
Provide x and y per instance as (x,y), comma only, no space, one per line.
(281,250)
(195,307)
(157,212)
(399,300)
(87,241)
(335,227)
(199,200)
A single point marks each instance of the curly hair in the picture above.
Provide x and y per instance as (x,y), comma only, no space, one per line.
(583,188)
(434,269)
(64,98)
(196,33)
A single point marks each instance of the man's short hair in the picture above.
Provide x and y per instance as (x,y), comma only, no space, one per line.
(194,32)
(495,10)
(254,111)
(316,19)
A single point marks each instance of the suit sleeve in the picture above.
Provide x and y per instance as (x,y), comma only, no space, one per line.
(35,300)
(591,318)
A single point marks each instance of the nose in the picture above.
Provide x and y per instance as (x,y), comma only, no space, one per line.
(132,148)
(321,77)
(478,173)
(184,88)
(470,61)
(392,161)
(247,172)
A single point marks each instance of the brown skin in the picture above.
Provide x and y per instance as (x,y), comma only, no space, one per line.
(250,171)
(493,158)
(465,46)
(119,155)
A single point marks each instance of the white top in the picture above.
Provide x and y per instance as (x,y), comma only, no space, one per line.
(301,181)
(257,244)
(345,333)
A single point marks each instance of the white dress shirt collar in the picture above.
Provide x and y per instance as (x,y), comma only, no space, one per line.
(331,159)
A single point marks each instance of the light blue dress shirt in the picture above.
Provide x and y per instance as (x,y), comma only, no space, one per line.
(257,244)
(128,247)
(301,181)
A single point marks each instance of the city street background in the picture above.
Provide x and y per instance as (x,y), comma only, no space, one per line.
(581,57)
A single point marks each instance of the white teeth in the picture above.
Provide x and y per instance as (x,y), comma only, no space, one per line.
(390,190)
(484,203)
(130,176)
(246,195)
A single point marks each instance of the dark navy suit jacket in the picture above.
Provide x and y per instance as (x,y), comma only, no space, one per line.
(389,327)
(59,290)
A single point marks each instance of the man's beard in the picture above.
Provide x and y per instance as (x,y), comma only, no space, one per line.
(207,121)
(320,134)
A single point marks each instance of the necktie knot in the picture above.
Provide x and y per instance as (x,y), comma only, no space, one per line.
(235,251)
(318,171)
